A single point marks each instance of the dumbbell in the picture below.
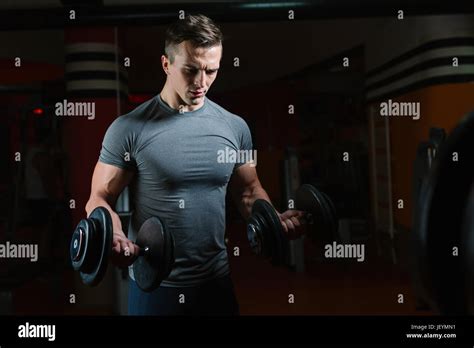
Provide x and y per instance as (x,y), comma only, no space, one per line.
(91,245)
(320,211)
(265,232)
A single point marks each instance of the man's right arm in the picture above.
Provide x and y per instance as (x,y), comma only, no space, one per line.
(108,182)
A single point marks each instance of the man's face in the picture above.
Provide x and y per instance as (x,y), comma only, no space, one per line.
(192,72)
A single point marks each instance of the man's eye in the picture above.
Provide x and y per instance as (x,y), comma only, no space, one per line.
(191,71)
(210,72)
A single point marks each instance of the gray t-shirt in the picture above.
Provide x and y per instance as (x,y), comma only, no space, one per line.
(180,178)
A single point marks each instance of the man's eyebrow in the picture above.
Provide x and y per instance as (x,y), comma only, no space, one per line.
(197,67)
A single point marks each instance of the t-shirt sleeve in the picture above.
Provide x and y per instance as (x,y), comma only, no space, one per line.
(119,144)
(245,139)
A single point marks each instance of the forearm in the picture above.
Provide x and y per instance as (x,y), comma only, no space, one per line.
(248,198)
(97,201)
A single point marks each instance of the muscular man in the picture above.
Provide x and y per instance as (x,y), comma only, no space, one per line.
(166,151)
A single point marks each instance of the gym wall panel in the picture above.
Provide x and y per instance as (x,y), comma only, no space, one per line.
(412,61)
(441,106)
(29,73)
(394,37)
(43,46)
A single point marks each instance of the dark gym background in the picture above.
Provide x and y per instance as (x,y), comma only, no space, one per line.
(281,63)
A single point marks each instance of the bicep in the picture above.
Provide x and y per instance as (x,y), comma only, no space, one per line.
(244,180)
(108,181)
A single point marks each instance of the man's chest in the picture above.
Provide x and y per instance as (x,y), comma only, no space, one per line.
(186,153)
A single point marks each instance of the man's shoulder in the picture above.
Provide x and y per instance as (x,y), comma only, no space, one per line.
(221,111)
(142,110)
(136,116)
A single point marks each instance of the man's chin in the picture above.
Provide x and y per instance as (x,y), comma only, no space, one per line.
(196,101)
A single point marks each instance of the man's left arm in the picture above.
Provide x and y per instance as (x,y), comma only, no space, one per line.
(245,188)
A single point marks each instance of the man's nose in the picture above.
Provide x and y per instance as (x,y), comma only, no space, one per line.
(201,79)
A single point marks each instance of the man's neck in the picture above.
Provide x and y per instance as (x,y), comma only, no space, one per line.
(174,103)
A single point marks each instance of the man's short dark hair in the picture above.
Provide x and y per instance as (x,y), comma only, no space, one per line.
(200,30)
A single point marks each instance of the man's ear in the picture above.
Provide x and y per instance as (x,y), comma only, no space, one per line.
(165,63)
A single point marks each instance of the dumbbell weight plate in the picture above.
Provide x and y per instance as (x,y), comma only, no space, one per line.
(258,233)
(80,247)
(314,202)
(151,268)
(91,245)
(273,235)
